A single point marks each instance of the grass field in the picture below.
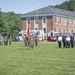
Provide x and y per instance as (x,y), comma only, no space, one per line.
(46,59)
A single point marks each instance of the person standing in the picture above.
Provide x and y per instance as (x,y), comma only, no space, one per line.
(36,40)
(9,39)
(59,41)
(72,41)
(67,41)
(64,41)
(31,42)
(26,40)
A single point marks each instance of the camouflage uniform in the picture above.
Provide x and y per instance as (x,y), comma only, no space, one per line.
(5,40)
(26,40)
(31,42)
(36,40)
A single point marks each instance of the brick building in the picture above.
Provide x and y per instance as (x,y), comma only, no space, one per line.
(49,19)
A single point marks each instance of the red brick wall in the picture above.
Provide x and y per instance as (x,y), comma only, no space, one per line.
(23,24)
(50,24)
(40,23)
(32,23)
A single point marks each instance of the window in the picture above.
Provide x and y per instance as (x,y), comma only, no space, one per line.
(28,20)
(55,29)
(68,30)
(56,20)
(60,20)
(51,33)
(36,20)
(44,20)
(60,30)
(65,30)
(72,22)
(44,29)
(64,21)
(68,22)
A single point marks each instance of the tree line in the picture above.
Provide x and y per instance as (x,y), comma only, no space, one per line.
(9,23)
(67,5)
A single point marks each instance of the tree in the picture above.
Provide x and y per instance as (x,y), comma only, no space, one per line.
(9,23)
(67,5)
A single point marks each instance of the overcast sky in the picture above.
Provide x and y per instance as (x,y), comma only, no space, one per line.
(25,6)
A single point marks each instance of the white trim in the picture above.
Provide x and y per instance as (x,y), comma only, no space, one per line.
(36,24)
(68,22)
(68,30)
(44,25)
(27,23)
(72,22)
(64,30)
(64,22)
(60,20)
(56,20)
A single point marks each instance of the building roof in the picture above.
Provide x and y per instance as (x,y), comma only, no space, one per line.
(50,11)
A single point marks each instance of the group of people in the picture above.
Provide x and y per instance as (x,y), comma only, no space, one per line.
(5,40)
(66,40)
(29,41)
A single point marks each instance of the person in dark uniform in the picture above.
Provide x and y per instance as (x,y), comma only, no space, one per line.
(67,42)
(72,41)
(26,40)
(59,41)
(64,40)
(9,39)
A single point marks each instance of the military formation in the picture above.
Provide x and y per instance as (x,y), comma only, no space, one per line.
(31,41)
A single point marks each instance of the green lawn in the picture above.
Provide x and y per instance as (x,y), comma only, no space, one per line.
(46,59)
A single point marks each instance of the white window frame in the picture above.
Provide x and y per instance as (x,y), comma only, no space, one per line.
(27,23)
(68,22)
(56,20)
(64,30)
(68,30)
(60,30)
(44,24)
(36,23)
(72,22)
(65,22)
(60,21)
(44,18)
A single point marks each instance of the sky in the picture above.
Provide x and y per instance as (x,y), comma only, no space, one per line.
(25,6)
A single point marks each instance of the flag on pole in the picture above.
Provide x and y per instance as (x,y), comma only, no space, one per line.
(28,30)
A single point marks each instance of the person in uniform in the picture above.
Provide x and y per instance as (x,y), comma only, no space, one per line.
(26,40)
(59,41)
(72,40)
(36,40)
(64,41)
(5,40)
(31,42)
(9,39)
(67,41)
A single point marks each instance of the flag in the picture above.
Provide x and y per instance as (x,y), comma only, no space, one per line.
(28,30)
